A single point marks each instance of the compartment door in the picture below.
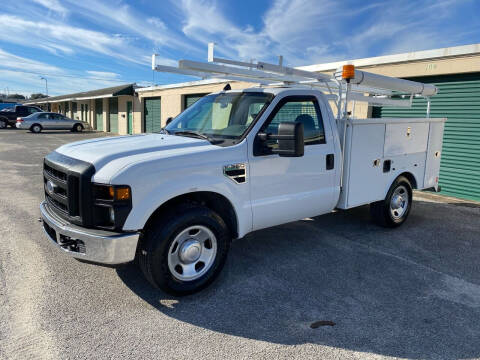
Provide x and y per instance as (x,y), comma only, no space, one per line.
(366,180)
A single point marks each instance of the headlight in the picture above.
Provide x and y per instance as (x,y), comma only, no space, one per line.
(111,205)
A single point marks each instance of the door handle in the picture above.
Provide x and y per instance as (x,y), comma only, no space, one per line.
(330,161)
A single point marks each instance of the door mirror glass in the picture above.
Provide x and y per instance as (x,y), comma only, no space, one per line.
(289,140)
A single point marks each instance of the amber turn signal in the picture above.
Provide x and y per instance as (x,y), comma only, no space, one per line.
(118,192)
(123,193)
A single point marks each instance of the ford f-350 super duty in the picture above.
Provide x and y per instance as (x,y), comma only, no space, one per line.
(234,162)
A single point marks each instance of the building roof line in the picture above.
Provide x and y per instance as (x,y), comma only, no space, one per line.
(183,84)
(126,89)
(456,51)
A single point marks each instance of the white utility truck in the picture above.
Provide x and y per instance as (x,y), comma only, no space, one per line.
(238,161)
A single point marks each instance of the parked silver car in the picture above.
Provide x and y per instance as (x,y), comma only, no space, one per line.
(50,121)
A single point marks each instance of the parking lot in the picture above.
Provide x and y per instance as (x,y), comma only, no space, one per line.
(412,292)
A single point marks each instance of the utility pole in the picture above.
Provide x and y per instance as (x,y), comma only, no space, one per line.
(46,84)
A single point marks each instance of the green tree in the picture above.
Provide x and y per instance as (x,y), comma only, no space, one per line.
(16,96)
(37,96)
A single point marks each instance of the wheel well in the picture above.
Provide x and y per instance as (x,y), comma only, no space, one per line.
(36,124)
(214,201)
(410,178)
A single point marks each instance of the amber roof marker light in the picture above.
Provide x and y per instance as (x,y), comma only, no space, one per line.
(348,72)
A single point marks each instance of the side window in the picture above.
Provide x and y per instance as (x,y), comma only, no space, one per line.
(253,111)
(32,110)
(43,116)
(304,111)
(21,110)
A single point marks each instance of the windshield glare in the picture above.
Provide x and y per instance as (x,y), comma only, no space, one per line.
(225,115)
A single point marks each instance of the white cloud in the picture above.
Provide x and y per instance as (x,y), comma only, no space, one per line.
(103,74)
(289,21)
(11,61)
(53,5)
(67,83)
(67,39)
(312,31)
(121,16)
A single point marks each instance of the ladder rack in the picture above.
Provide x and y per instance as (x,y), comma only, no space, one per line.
(358,86)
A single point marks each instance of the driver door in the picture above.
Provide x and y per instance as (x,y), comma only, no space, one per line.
(285,189)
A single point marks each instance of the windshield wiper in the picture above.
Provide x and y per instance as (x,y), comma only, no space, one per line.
(198,135)
(192,133)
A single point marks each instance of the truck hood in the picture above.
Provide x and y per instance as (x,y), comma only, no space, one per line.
(104,150)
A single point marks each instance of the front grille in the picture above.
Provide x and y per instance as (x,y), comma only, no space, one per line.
(55,174)
(56,188)
(57,204)
(67,187)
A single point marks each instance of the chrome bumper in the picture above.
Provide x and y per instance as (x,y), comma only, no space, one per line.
(98,246)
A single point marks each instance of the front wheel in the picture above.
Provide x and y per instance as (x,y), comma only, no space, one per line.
(394,210)
(185,251)
(77,128)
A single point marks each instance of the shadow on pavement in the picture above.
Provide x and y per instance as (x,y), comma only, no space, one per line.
(410,292)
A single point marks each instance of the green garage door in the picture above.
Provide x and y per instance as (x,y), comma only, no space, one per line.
(113,114)
(99,114)
(458,100)
(152,115)
(189,100)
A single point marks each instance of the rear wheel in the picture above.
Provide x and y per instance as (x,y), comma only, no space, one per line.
(3,124)
(185,251)
(394,210)
(77,128)
(36,128)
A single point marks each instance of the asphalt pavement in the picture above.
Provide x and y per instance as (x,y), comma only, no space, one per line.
(412,292)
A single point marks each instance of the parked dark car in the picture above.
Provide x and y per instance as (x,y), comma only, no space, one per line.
(9,116)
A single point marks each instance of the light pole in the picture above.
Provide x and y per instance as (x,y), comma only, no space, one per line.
(46,84)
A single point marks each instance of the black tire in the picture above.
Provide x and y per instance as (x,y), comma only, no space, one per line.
(36,128)
(3,123)
(382,212)
(77,128)
(161,233)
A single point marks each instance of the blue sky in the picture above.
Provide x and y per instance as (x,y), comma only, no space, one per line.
(88,44)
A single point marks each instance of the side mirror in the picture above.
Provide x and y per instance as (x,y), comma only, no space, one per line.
(290,139)
(169,120)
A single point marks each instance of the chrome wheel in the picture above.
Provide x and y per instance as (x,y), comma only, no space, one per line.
(192,253)
(399,202)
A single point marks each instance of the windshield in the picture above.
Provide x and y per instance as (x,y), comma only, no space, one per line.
(220,116)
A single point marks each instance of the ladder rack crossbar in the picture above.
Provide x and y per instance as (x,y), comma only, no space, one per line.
(361,83)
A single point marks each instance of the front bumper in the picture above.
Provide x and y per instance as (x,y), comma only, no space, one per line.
(98,246)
